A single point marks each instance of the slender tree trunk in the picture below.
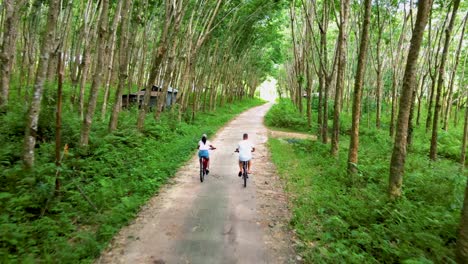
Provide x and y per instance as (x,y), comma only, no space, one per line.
(309,94)
(7,50)
(465,136)
(358,82)
(297,60)
(89,33)
(157,60)
(98,74)
(110,49)
(35,107)
(58,122)
(161,102)
(342,47)
(431,100)
(379,99)
(440,81)
(434,66)
(394,102)
(421,91)
(399,149)
(452,78)
(123,64)
(409,138)
(379,69)
(396,62)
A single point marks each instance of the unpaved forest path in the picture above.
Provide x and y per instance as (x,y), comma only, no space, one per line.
(217,221)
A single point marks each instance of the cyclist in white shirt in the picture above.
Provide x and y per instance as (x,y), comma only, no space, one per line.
(245,149)
(203,146)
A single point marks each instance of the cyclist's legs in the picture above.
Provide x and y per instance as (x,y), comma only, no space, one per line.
(248,165)
(204,154)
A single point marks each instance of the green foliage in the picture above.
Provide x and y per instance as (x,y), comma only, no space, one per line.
(285,115)
(340,219)
(348,220)
(102,186)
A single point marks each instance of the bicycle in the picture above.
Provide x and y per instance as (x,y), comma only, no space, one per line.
(203,164)
(245,176)
(245,165)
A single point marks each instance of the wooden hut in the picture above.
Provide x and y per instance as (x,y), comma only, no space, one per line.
(137,98)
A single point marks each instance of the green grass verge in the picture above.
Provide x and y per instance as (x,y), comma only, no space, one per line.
(118,173)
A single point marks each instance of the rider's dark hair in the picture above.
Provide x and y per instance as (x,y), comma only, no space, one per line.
(203,139)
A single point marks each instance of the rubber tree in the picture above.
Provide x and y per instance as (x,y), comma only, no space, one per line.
(399,147)
(340,78)
(448,106)
(35,106)
(440,82)
(358,82)
(98,73)
(8,47)
(123,64)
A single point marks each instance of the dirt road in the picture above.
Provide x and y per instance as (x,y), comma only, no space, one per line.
(217,221)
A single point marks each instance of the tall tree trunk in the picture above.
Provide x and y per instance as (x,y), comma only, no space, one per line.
(58,122)
(433,77)
(340,78)
(161,102)
(35,107)
(465,137)
(378,69)
(394,103)
(396,68)
(85,63)
(157,60)
(309,94)
(123,64)
(440,81)
(7,50)
(297,60)
(409,138)
(452,78)
(420,96)
(358,82)
(433,74)
(399,148)
(319,106)
(110,49)
(98,73)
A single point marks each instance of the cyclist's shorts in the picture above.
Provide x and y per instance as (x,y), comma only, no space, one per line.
(203,153)
(244,159)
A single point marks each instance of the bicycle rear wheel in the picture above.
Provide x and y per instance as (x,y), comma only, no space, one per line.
(245,174)
(202,171)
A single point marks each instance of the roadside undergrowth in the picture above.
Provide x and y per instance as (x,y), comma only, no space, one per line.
(102,186)
(342,219)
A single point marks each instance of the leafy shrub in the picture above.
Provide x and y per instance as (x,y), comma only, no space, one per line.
(285,115)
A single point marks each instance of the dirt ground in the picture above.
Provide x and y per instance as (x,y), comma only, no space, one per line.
(217,221)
